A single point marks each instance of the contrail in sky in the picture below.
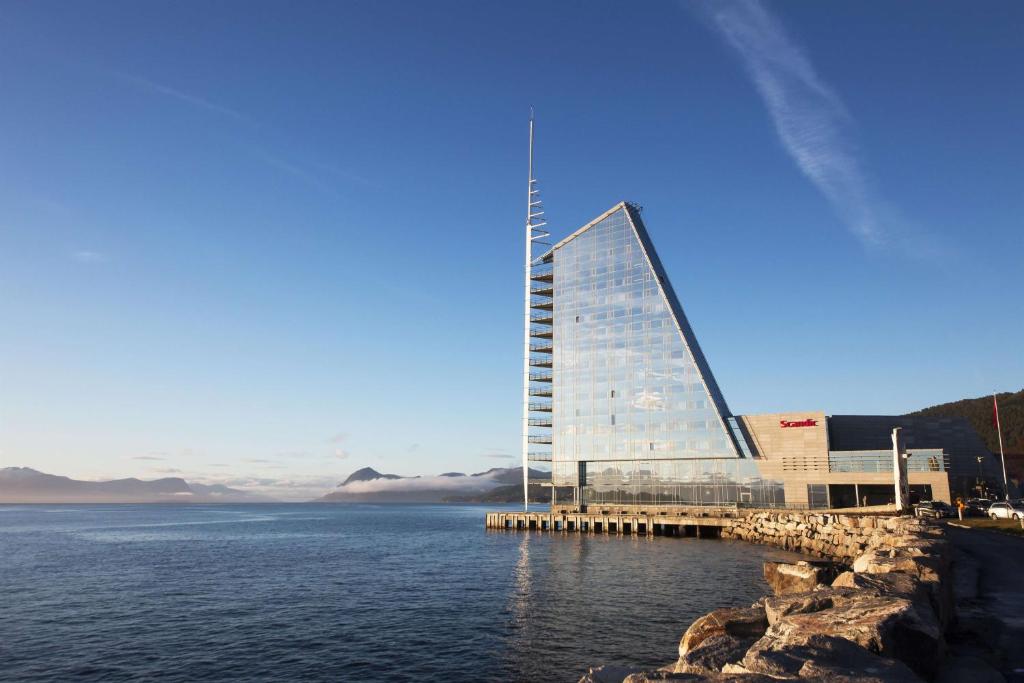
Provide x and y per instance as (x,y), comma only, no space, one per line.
(194,100)
(809,116)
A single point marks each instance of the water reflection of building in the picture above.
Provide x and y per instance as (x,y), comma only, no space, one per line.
(623,404)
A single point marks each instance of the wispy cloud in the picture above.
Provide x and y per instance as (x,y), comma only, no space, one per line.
(497,453)
(809,117)
(313,178)
(89,256)
(147,457)
(293,454)
(196,101)
(293,169)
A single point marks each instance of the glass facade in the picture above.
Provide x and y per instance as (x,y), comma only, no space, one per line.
(628,399)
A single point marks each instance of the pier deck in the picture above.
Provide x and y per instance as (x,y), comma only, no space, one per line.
(701,524)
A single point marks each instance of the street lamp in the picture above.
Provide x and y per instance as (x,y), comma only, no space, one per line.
(980,492)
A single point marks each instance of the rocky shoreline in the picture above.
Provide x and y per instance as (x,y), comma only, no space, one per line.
(876,607)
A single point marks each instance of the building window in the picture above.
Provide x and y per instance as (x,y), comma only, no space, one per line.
(817,496)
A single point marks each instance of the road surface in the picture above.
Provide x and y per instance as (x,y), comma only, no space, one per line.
(999,559)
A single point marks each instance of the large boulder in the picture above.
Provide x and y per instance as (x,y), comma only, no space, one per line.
(658,676)
(909,586)
(931,567)
(799,577)
(713,653)
(839,661)
(824,658)
(888,626)
(608,674)
(740,622)
(778,607)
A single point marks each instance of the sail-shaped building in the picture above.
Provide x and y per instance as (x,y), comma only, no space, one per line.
(625,405)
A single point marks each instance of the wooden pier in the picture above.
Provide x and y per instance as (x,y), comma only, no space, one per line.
(702,524)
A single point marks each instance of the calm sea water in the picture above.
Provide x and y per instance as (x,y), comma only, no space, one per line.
(342,593)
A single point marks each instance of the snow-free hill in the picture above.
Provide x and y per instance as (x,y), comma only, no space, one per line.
(26,485)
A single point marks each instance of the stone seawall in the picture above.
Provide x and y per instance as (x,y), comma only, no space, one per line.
(840,538)
(875,608)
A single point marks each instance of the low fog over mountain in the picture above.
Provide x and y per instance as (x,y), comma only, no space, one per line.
(370,486)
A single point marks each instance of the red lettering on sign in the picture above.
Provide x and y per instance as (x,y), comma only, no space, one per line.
(798,423)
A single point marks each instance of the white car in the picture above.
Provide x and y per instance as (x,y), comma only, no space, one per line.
(1011,510)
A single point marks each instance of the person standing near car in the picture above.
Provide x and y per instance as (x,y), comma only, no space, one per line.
(960,508)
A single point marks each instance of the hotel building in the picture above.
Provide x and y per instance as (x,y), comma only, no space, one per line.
(620,400)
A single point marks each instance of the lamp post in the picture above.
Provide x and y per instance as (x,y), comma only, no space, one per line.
(980,492)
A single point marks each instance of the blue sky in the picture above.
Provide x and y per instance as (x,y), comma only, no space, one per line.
(269,243)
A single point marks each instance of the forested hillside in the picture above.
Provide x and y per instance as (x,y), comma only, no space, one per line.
(979,412)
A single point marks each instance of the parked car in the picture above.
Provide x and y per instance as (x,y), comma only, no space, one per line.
(933,508)
(977,506)
(1006,510)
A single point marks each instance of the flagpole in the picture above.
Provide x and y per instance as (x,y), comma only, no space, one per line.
(1002,456)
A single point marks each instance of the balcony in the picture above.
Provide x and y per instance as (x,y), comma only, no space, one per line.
(539,438)
(542,347)
(542,362)
(921,460)
(545,318)
(539,457)
(543,290)
(542,332)
(540,407)
(539,421)
(542,275)
(540,391)
(548,305)
(541,377)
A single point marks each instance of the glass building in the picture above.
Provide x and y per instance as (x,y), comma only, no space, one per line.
(623,403)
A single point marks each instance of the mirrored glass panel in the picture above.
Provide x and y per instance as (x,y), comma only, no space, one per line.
(625,385)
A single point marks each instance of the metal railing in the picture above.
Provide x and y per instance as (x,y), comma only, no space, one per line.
(542,318)
(543,273)
(539,438)
(541,362)
(539,421)
(542,347)
(541,407)
(548,305)
(545,290)
(923,460)
(542,332)
(539,457)
(540,391)
(541,377)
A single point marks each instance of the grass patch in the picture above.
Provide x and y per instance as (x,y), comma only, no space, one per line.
(1006,526)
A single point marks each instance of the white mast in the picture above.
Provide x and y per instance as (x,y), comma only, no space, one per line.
(1002,456)
(534,230)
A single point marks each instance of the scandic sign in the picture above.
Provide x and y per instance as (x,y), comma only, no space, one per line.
(809,422)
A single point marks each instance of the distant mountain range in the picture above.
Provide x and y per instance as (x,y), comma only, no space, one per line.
(367,485)
(496,485)
(26,485)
